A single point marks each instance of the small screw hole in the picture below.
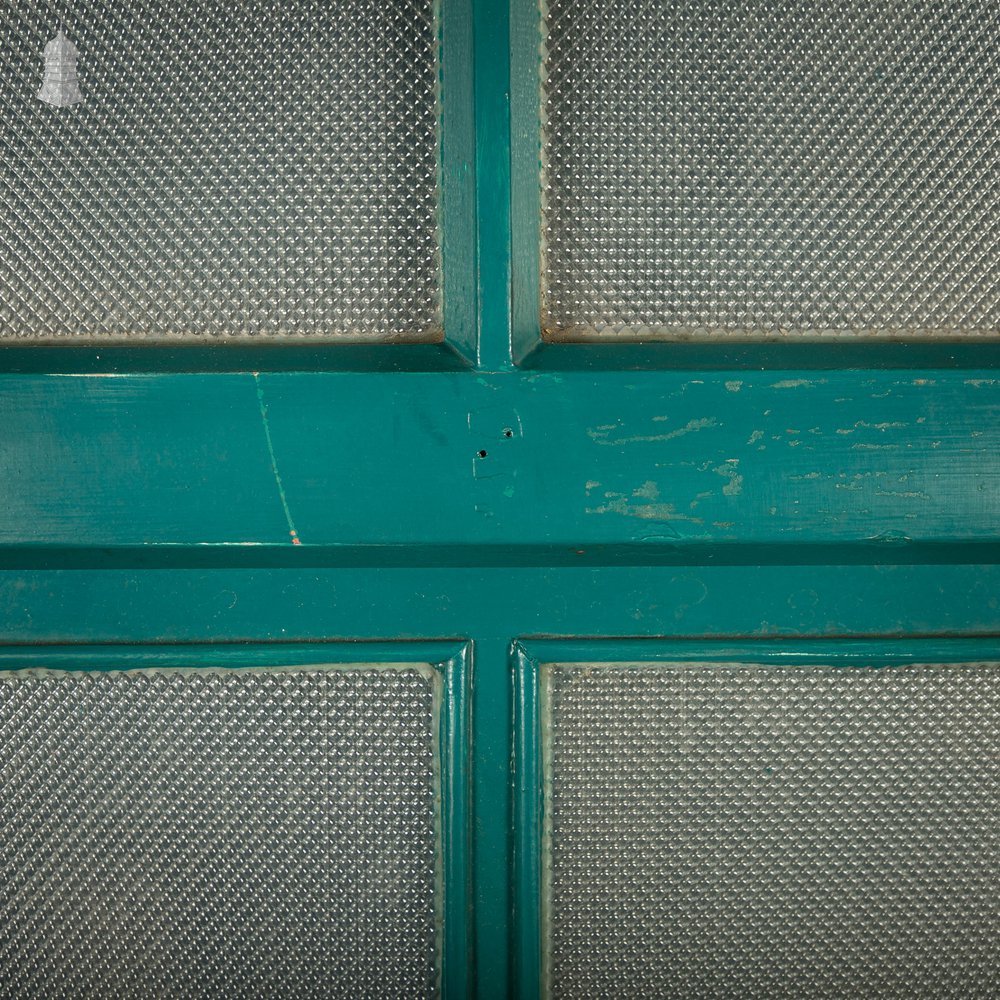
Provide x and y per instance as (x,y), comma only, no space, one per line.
(508,433)
(482,454)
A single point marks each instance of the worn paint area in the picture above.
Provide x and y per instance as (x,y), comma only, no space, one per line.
(508,461)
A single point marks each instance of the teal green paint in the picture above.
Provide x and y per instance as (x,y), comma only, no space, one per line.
(232,356)
(885,551)
(445,655)
(492,83)
(117,460)
(298,356)
(284,605)
(458,969)
(756,356)
(883,652)
(526,172)
(491,805)
(458,178)
(600,468)
(528,818)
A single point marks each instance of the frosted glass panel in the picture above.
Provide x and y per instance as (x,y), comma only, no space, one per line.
(219,833)
(780,170)
(717,830)
(219,169)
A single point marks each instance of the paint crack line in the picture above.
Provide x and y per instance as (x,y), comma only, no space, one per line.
(274,462)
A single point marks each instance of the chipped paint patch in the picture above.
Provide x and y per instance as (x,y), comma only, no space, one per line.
(727,470)
(648,491)
(796,383)
(734,386)
(755,437)
(619,503)
(601,433)
(906,494)
(865,425)
(890,538)
(704,495)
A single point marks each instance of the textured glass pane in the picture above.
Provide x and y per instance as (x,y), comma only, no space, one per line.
(232,169)
(734,831)
(782,169)
(218,833)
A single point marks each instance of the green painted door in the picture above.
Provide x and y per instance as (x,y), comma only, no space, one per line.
(495,502)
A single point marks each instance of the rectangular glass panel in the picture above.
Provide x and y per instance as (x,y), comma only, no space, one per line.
(723,830)
(219,169)
(219,833)
(778,170)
